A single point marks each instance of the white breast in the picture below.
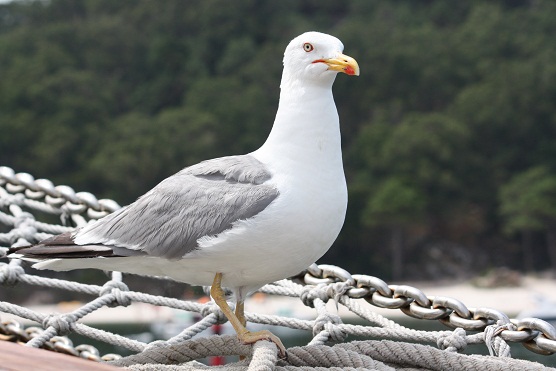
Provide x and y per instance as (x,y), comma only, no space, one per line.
(303,153)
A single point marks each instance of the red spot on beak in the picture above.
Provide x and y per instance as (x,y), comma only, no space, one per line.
(349,70)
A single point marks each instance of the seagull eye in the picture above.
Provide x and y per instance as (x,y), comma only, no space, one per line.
(308,47)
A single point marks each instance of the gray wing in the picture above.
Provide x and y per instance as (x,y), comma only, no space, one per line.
(201,200)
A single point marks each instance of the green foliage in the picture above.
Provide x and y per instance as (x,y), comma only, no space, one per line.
(453,112)
(393,203)
(528,201)
(419,157)
(140,149)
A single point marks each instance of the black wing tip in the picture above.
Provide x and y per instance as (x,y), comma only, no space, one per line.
(35,251)
(44,251)
(60,239)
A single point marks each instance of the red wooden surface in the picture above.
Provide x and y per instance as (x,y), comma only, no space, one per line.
(16,357)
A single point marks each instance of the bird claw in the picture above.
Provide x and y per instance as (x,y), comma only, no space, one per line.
(252,337)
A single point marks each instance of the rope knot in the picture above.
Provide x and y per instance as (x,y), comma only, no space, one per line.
(16,199)
(24,227)
(63,324)
(310,293)
(23,219)
(5,202)
(495,344)
(453,342)
(337,289)
(118,290)
(10,273)
(3,252)
(328,322)
(211,308)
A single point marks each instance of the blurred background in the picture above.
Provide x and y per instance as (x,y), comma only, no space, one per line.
(448,134)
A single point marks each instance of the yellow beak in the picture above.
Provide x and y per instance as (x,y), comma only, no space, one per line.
(342,63)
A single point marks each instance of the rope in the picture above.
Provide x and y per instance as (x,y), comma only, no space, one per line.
(495,344)
(357,355)
(330,347)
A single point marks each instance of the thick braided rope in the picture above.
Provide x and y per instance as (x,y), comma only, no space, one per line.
(368,355)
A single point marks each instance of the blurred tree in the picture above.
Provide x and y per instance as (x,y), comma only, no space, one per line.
(454,101)
(395,205)
(136,145)
(528,204)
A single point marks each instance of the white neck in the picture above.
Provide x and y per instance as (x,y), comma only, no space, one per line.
(306,128)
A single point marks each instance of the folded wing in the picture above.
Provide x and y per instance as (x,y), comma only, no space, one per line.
(202,200)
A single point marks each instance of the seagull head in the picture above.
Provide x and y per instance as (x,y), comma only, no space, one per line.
(315,56)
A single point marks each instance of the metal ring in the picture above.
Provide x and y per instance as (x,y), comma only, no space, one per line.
(455,321)
(314,270)
(7,173)
(309,279)
(546,344)
(34,195)
(378,300)
(413,293)
(336,272)
(451,303)
(373,283)
(75,208)
(47,187)
(95,214)
(534,347)
(537,324)
(15,188)
(416,311)
(106,204)
(519,336)
(89,352)
(68,193)
(88,199)
(55,201)
(359,292)
(26,180)
(489,313)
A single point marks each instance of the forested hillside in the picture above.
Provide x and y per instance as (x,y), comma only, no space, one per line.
(449,134)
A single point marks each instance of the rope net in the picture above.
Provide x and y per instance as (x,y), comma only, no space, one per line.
(386,346)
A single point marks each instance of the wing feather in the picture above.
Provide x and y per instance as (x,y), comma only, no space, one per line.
(202,200)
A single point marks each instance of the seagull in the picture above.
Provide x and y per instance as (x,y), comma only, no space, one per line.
(240,221)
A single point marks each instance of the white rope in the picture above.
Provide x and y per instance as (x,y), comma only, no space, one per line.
(397,349)
(495,344)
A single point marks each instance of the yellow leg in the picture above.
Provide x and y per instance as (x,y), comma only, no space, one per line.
(244,335)
(240,312)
